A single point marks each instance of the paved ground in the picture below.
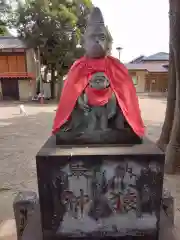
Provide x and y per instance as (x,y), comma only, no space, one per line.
(22,136)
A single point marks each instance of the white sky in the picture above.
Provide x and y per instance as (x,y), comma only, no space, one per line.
(138,26)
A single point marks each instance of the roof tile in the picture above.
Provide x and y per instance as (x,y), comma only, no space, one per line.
(159,67)
(161,56)
(11,42)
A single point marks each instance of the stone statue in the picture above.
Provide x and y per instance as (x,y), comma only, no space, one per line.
(98,116)
(98,102)
(96,38)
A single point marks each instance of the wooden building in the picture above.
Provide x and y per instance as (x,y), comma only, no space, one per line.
(17,69)
(150,74)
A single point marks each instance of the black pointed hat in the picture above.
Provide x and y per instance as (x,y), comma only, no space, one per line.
(95,17)
(95,25)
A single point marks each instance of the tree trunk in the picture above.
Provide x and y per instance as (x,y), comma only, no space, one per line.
(171,98)
(170,108)
(173,148)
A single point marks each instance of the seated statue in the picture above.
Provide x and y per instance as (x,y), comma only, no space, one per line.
(98,103)
(98,110)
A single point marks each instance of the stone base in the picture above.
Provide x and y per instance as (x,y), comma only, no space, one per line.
(168,205)
(24,206)
(86,191)
(124,136)
(33,229)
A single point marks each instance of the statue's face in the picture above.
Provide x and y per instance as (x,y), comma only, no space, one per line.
(95,42)
(99,81)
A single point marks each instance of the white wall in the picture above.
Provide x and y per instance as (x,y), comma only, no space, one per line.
(140,87)
(25,89)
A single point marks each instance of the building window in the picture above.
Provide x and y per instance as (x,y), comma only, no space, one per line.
(135,80)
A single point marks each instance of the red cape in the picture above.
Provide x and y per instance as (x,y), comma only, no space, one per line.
(120,82)
(98,97)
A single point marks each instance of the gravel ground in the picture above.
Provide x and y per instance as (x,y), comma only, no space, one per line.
(20,139)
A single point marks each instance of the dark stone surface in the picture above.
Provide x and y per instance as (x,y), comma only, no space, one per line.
(33,229)
(24,206)
(100,190)
(168,205)
(123,136)
(96,42)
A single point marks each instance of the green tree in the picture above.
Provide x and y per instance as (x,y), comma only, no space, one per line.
(54,29)
(4,10)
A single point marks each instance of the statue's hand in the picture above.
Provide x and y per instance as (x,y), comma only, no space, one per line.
(82,101)
(86,108)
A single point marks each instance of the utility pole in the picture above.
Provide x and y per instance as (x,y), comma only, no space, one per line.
(119,51)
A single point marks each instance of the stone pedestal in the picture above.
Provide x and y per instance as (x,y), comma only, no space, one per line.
(100,191)
(168,205)
(33,228)
(24,205)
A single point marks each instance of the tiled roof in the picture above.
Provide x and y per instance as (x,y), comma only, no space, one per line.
(159,67)
(138,59)
(161,56)
(11,42)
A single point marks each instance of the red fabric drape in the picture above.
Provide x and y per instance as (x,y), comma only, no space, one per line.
(98,97)
(120,83)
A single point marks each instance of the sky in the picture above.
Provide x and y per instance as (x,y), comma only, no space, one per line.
(140,27)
